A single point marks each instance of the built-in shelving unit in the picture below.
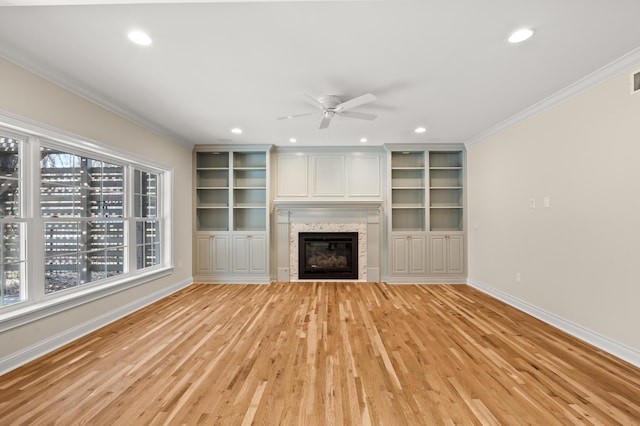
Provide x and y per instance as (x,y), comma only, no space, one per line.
(446,180)
(250,191)
(239,207)
(212,191)
(426,220)
(408,189)
(231,213)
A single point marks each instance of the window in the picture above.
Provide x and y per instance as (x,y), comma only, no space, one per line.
(12,254)
(95,221)
(82,201)
(147,224)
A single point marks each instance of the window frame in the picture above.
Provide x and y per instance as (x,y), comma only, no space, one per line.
(36,304)
(19,219)
(159,216)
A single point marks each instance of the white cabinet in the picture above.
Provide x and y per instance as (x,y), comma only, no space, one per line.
(426,219)
(249,254)
(332,173)
(328,177)
(364,175)
(447,254)
(408,254)
(212,254)
(292,170)
(231,213)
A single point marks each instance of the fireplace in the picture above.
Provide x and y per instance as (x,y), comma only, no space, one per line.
(298,216)
(328,255)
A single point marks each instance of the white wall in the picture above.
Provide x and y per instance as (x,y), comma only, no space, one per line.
(29,96)
(578,258)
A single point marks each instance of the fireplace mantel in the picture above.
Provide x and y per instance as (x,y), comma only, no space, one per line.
(326,204)
(319,214)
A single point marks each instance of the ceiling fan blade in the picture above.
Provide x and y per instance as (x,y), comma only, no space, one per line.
(286,117)
(313,101)
(358,115)
(325,122)
(360,100)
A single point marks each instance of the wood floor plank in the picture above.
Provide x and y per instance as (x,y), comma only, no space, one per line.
(317,353)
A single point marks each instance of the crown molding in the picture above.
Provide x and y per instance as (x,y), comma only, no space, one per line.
(623,64)
(100,100)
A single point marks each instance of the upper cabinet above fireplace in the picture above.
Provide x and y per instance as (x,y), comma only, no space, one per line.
(329,175)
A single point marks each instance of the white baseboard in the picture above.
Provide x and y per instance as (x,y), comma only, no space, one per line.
(232,279)
(425,280)
(43,347)
(602,342)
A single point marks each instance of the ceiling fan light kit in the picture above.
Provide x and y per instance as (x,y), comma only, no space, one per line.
(332,105)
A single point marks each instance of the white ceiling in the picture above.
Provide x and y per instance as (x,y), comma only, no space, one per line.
(214,65)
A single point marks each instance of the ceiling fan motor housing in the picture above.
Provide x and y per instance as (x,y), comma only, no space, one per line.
(330,102)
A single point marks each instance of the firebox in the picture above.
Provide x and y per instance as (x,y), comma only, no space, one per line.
(327,255)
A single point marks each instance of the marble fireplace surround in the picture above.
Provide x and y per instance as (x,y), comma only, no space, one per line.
(363,217)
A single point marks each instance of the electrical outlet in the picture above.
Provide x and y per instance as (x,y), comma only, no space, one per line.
(518,277)
(547,202)
(532,203)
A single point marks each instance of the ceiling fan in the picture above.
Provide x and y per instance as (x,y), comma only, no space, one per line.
(332,105)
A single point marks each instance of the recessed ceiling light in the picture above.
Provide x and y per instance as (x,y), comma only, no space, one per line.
(236,130)
(293,140)
(139,37)
(420,129)
(520,35)
(363,140)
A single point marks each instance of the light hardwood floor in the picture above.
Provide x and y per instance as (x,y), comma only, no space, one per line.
(324,354)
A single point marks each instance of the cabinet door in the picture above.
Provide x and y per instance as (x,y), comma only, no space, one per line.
(447,254)
(328,180)
(258,254)
(249,254)
(437,250)
(364,176)
(212,254)
(455,254)
(220,253)
(399,254)
(203,255)
(240,254)
(292,175)
(417,260)
(408,254)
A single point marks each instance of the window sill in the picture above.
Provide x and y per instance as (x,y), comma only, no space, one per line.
(53,305)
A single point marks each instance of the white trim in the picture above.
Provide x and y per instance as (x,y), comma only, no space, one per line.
(38,305)
(400,280)
(85,93)
(321,212)
(619,350)
(13,316)
(43,347)
(620,65)
(231,279)
(64,139)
